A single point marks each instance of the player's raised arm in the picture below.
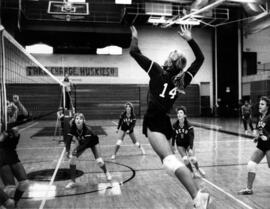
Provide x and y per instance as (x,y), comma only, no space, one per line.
(186,34)
(135,52)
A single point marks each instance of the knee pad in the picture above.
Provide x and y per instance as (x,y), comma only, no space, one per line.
(119,142)
(23,185)
(171,164)
(186,160)
(251,166)
(100,162)
(10,190)
(193,159)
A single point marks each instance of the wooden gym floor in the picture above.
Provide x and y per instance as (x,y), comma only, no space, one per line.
(140,181)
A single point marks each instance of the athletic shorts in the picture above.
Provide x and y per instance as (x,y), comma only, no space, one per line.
(181,143)
(85,145)
(127,129)
(157,123)
(8,157)
(263,145)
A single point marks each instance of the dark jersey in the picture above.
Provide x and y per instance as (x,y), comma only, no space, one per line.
(126,123)
(162,91)
(264,126)
(184,136)
(84,136)
(10,143)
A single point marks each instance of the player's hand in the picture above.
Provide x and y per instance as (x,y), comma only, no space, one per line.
(134,32)
(263,137)
(185,32)
(190,152)
(16,98)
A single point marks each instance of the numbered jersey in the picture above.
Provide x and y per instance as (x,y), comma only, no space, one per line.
(162,92)
(126,123)
(263,126)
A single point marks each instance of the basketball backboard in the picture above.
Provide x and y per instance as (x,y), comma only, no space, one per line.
(68,8)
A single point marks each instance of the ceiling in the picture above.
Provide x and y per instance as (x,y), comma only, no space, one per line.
(106,24)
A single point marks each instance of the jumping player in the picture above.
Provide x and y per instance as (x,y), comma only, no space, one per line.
(11,166)
(263,144)
(165,83)
(125,126)
(183,136)
(85,139)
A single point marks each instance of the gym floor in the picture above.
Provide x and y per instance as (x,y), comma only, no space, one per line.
(140,181)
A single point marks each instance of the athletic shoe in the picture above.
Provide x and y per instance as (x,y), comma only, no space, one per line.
(202,201)
(113,157)
(71,185)
(142,150)
(201,172)
(108,176)
(254,132)
(246,191)
(246,132)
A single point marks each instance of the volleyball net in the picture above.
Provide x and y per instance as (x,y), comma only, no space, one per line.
(28,90)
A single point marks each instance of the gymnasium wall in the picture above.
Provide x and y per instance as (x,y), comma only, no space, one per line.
(96,101)
(131,81)
(260,43)
(259,84)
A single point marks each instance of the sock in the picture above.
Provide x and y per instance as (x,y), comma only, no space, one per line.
(17,196)
(72,172)
(189,167)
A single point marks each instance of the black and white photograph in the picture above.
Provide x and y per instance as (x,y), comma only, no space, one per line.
(134,104)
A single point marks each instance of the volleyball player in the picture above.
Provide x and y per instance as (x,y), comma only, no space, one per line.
(85,139)
(246,112)
(11,166)
(183,136)
(165,83)
(263,145)
(68,85)
(125,126)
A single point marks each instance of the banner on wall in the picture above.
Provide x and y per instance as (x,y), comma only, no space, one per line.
(74,71)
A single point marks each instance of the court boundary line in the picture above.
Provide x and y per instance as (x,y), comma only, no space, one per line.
(52,179)
(29,126)
(227,193)
(133,171)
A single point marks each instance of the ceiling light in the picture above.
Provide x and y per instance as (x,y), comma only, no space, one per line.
(110,50)
(76,1)
(39,49)
(123,1)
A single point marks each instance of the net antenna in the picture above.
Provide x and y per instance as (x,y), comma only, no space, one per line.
(191,18)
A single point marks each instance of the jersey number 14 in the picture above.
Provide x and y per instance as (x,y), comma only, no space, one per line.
(172,93)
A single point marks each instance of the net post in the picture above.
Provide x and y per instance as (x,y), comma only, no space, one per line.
(3,117)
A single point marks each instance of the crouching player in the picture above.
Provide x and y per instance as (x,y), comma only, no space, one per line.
(10,165)
(85,139)
(184,137)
